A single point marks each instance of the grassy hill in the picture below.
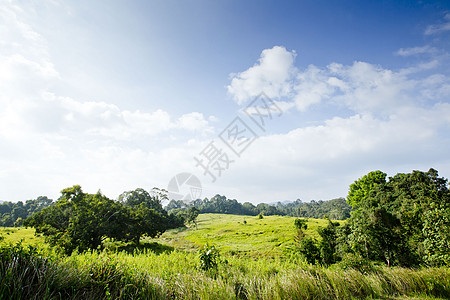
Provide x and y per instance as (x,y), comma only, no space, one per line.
(246,268)
(240,235)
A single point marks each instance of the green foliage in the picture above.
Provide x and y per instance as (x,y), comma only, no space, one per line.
(209,258)
(336,209)
(140,196)
(436,232)
(328,243)
(310,250)
(260,216)
(357,262)
(24,272)
(81,221)
(361,188)
(301,224)
(176,275)
(13,214)
(403,221)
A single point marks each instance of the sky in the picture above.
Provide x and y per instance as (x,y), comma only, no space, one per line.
(260,101)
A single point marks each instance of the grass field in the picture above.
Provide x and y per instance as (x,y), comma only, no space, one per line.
(268,237)
(257,261)
(26,235)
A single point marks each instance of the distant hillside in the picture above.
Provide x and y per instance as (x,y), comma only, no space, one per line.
(336,209)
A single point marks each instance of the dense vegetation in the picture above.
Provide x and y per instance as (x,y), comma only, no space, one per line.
(396,243)
(30,273)
(13,214)
(336,209)
(81,221)
(404,221)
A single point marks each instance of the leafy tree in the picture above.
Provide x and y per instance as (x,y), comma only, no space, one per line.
(140,196)
(361,188)
(328,244)
(144,221)
(436,232)
(82,221)
(12,214)
(145,214)
(192,215)
(309,249)
(401,221)
(77,220)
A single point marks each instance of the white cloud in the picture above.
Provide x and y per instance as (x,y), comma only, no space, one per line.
(195,121)
(396,120)
(439,28)
(270,75)
(416,50)
(361,87)
(51,141)
(319,162)
(313,85)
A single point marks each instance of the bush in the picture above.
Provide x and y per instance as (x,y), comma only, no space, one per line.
(209,258)
(357,262)
(309,249)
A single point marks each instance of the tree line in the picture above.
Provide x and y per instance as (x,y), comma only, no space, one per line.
(403,220)
(337,209)
(13,214)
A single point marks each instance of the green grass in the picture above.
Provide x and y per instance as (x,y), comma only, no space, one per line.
(16,234)
(271,236)
(257,261)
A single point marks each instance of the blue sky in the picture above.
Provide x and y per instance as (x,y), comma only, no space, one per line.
(116,95)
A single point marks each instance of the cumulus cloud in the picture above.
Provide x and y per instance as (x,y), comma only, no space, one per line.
(395,120)
(361,86)
(271,75)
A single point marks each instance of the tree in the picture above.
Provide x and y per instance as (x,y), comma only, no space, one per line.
(77,220)
(361,188)
(328,243)
(309,249)
(401,221)
(144,221)
(141,196)
(191,216)
(436,231)
(146,215)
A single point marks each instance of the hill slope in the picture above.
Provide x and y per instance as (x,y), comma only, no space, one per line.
(270,236)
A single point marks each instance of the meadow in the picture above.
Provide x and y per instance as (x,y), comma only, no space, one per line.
(257,261)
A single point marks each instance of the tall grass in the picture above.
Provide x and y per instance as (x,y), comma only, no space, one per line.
(27,273)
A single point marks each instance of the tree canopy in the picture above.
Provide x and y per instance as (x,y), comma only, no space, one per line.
(83,221)
(403,220)
(336,209)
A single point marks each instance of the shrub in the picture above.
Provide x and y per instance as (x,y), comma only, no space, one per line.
(357,262)
(209,258)
(309,249)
